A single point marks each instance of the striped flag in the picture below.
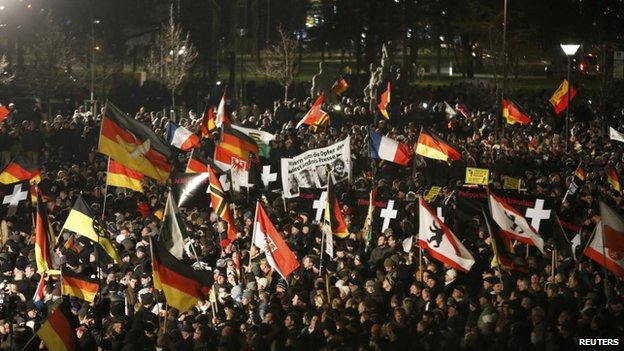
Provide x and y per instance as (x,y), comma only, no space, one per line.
(182,286)
(614,179)
(20,168)
(431,146)
(134,145)
(58,332)
(238,143)
(388,149)
(513,113)
(79,285)
(316,118)
(504,256)
(44,241)
(196,163)
(208,124)
(220,205)
(333,216)
(559,99)
(123,177)
(340,86)
(182,138)
(384,101)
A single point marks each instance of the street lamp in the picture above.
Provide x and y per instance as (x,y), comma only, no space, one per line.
(570,50)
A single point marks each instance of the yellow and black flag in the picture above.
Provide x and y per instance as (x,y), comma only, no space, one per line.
(79,285)
(503,255)
(81,221)
(220,205)
(182,285)
(134,145)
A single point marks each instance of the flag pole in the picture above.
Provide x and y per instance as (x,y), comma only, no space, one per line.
(105,189)
(605,284)
(553,263)
(420,259)
(322,242)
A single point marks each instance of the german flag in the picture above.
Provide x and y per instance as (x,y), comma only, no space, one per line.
(333,216)
(81,221)
(208,123)
(513,113)
(316,118)
(58,332)
(238,143)
(123,177)
(340,86)
(79,285)
(182,285)
(431,146)
(4,112)
(614,179)
(44,240)
(220,205)
(580,173)
(134,145)
(502,249)
(384,101)
(559,99)
(20,168)
(196,164)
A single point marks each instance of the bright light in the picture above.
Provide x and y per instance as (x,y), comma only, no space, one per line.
(1,7)
(97,21)
(337,107)
(218,82)
(182,51)
(570,49)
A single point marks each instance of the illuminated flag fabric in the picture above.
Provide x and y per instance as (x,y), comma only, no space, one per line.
(123,177)
(58,332)
(4,112)
(238,143)
(208,124)
(384,101)
(333,216)
(340,86)
(513,113)
(532,144)
(79,285)
(196,163)
(388,149)
(20,168)
(440,241)
(607,245)
(615,135)
(580,173)
(367,229)
(263,139)
(40,291)
(431,146)
(182,138)
(268,240)
(503,255)
(559,99)
(173,230)
(222,116)
(81,221)
(44,241)
(316,118)
(182,286)
(614,179)
(512,224)
(449,110)
(220,205)
(134,145)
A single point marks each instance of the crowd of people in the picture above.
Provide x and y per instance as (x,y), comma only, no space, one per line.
(373,295)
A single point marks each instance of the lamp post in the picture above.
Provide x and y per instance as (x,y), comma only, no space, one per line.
(570,50)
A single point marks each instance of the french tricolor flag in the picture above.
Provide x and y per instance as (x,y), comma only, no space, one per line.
(182,138)
(388,149)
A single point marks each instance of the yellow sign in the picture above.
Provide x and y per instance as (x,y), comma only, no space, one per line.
(480,176)
(511,183)
(432,193)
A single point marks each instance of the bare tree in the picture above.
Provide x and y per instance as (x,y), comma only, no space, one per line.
(172,57)
(5,77)
(282,61)
(48,70)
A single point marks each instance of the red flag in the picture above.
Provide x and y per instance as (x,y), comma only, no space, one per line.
(442,244)
(333,216)
(607,245)
(269,241)
(315,118)
(208,123)
(340,86)
(513,113)
(4,112)
(220,204)
(384,101)
(559,100)
(614,179)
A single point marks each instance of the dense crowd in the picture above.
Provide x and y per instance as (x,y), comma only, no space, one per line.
(372,295)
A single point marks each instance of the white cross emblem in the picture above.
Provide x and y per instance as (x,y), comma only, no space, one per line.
(388,214)
(537,214)
(319,206)
(14,199)
(267,176)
